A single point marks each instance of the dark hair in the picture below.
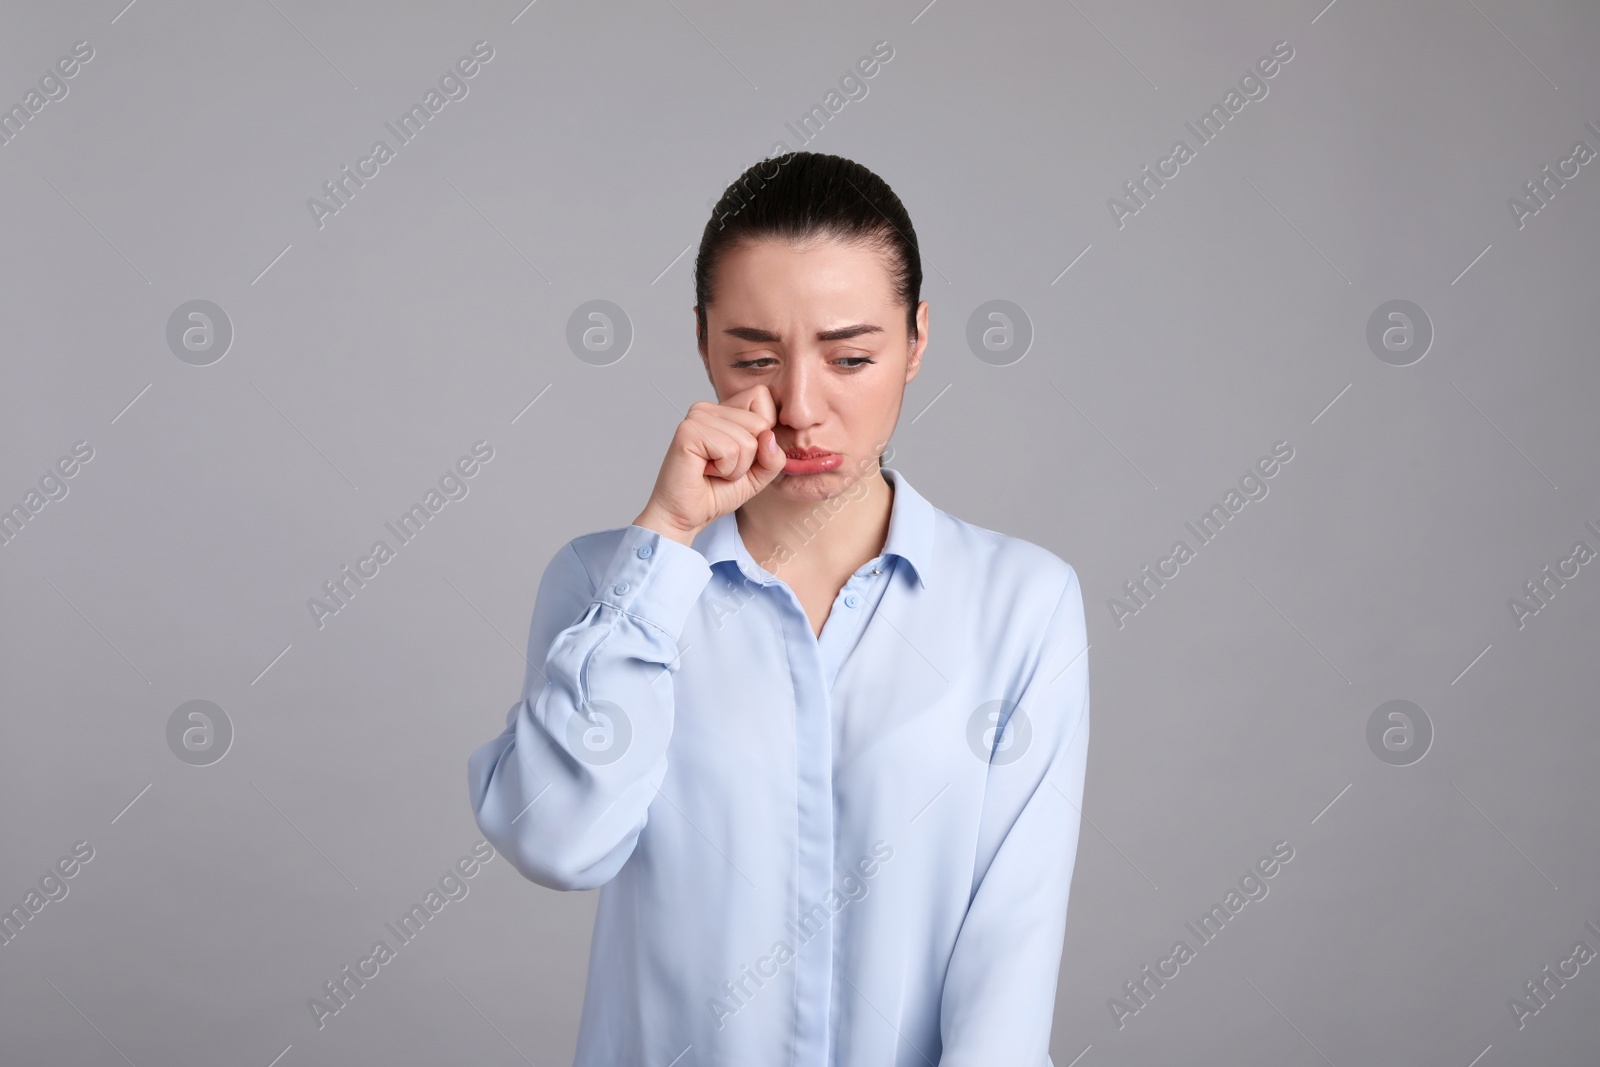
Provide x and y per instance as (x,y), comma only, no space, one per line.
(800,195)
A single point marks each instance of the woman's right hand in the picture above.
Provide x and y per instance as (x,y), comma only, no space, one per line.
(721,455)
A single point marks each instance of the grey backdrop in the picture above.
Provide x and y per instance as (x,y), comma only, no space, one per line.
(1148,358)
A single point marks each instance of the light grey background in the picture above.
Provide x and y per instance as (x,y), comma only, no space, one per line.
(368,355)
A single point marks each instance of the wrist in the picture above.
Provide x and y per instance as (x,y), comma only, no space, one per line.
(652,520)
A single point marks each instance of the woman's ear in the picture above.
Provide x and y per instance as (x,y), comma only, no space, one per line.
(919,343)
(705,354)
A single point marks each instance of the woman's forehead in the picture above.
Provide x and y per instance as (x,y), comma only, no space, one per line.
(833,272)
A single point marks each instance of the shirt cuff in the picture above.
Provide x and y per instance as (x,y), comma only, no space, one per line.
(654,578)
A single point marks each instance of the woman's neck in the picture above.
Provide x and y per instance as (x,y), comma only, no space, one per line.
(806,537)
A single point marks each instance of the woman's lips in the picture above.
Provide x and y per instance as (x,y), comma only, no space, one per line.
(811,460)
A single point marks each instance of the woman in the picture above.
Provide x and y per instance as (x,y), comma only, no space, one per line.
(822,744)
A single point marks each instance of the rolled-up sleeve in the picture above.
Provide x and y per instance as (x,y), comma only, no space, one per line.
(565,789)
(999,990)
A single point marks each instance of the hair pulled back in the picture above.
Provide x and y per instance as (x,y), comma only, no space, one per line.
(803,195)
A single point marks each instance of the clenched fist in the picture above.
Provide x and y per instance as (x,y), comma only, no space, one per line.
(721,455)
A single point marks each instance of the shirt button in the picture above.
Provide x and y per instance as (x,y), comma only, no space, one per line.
(620,588)
(644,551)
(851,600)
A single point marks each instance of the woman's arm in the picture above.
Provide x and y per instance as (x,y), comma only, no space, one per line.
(564,791)
(999,990)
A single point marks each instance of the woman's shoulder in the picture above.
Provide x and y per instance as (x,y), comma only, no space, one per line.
(1020,592)
(1001,561)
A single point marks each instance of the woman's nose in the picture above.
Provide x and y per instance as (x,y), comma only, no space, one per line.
(796,394)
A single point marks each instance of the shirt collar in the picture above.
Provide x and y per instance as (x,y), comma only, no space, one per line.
(911,526)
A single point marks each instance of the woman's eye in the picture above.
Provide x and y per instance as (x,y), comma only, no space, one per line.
(762,362)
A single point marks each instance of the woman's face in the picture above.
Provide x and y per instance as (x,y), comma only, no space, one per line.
(818,325)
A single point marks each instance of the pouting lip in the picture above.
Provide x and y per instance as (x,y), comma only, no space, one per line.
(807,453)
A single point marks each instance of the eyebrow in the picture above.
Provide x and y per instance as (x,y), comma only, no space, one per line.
(843,333)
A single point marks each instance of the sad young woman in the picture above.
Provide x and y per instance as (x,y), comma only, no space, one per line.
(820,744)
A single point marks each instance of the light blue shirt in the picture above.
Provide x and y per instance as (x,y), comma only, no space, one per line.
(852,850)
